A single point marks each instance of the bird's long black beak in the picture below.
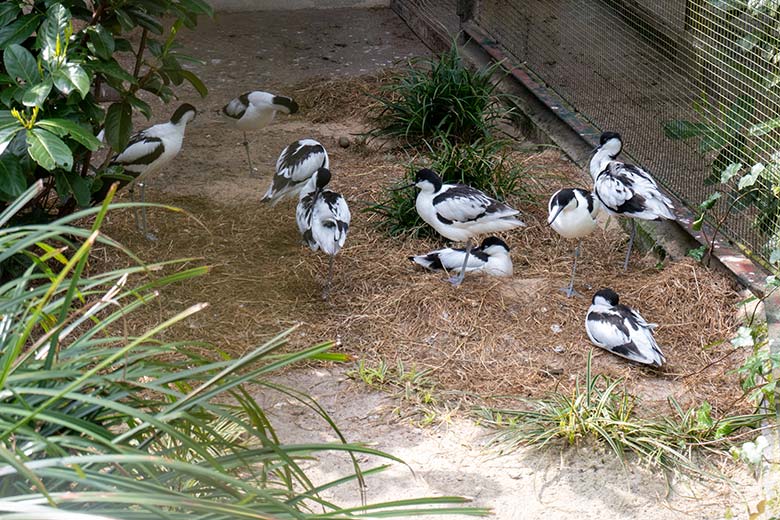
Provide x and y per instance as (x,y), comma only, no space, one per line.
(550,221)
(404,187)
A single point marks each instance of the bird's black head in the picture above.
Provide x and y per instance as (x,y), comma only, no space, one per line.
(426,175)
(606,136)
(323,178)
(185,113)
(608,296)
(562,198)
(289,103)
(493,241)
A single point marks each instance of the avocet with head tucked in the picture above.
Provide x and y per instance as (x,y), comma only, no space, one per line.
(572,214)
(297,163)
(323,219)
(626,190)
(491,257)
(256,110)
(622,330)
(150,150)
(460,212)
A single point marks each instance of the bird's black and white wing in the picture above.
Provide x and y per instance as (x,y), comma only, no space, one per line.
(140,152)
(296,164)
(303,217)
(462,204)
(624,332)
(237,107)
(331,222)
(451,259)
(627,189)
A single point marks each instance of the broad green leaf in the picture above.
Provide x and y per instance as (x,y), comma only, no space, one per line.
(48,150)
(100,41)
(698,223)
(750,179)
(12,179)
(19,63)
(710,202)
(55,31)
(698,253)
(119,125)
(764,128)
(197,7)
(681,129)
(71,183)
(8,130)
(730,171)
(37,94)
(126,23)
(140,105)
(110,69)
(63,127)
(8,11)
(145,20)
(7,95)
(69,77)
(19,30)
(195,82)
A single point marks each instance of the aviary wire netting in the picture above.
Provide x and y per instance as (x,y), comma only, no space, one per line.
(691,85)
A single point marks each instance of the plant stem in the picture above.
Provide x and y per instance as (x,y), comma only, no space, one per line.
(140,55)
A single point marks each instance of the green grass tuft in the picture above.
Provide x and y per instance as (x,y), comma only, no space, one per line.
(601,411)
(439,96)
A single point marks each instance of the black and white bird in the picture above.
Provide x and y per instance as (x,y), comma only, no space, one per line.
(297,163)
(491,257)
(149,150)
(323,219)
(622,330)
(459,212)
(626,190)
(255,110)
(572,214)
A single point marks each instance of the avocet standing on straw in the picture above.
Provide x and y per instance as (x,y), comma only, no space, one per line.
(323,219)
(150,150)
(572,214)
(624,189)
(460,212)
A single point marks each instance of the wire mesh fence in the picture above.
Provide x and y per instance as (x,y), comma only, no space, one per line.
(691,85)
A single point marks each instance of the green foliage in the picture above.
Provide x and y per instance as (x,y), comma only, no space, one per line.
(484,164)
(439,96)
(600,410)
(96,422)
(57,56)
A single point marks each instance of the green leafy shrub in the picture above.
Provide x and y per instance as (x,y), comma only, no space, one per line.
(99,422)
(484,164)
(57,59)
(439,97)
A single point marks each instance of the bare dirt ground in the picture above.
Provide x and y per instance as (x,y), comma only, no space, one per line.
(489,337)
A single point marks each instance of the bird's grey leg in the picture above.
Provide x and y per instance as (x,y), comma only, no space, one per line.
(569,291)
(457,280)
(144,228)
(135,209)
(630,244)
(326,291)
(248,158)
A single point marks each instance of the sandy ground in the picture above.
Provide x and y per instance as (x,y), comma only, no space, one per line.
(262,282)
(452,457)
